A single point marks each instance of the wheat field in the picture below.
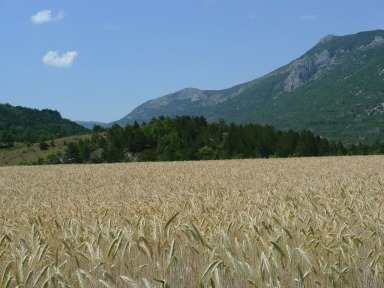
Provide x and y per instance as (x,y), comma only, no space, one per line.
(308,222)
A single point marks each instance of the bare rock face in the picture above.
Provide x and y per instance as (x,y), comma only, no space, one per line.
(377,42)
(301,70)
(305,69)
(191,93)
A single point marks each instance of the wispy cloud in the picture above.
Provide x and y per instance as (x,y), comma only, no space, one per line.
(310,17)
(53,58)
(45,16)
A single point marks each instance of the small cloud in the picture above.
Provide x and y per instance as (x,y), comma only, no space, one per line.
(52,58)
(45,16)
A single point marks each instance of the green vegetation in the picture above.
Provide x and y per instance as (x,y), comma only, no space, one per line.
(184,138)
(26,154)
(25,125)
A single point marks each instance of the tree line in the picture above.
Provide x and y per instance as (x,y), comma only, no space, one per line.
(193,138)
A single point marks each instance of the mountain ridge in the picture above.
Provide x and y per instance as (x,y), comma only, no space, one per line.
(334,89)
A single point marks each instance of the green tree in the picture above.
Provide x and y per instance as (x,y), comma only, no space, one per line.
(206,153)
(72,153)
(7,138)
(43,145)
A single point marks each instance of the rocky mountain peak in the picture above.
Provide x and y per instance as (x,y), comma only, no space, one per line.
(306,68)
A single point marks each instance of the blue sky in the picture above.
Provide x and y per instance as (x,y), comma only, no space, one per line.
(98,60)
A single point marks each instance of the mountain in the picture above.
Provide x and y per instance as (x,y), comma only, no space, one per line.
(32,125)
(90,124)
(336,89)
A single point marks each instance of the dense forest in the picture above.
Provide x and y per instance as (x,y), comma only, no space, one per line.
(193,138)
(20,124)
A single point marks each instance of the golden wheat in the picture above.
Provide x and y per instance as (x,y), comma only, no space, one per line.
(309,222)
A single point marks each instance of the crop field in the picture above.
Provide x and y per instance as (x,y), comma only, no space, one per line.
(300,222)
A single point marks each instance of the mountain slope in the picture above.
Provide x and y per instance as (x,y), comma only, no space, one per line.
(32,125)
(335,89)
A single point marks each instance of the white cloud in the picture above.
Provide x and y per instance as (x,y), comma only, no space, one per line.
(45,16)
(52,58)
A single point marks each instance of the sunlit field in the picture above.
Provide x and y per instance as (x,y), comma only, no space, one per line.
(308,222)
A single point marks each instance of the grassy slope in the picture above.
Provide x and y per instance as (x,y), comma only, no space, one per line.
(21,153)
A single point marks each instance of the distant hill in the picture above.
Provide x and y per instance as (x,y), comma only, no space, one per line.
(90,124)
(32,125)
(336,90)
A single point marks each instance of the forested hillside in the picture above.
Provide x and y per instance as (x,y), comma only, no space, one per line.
(20,124)
(193,138)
